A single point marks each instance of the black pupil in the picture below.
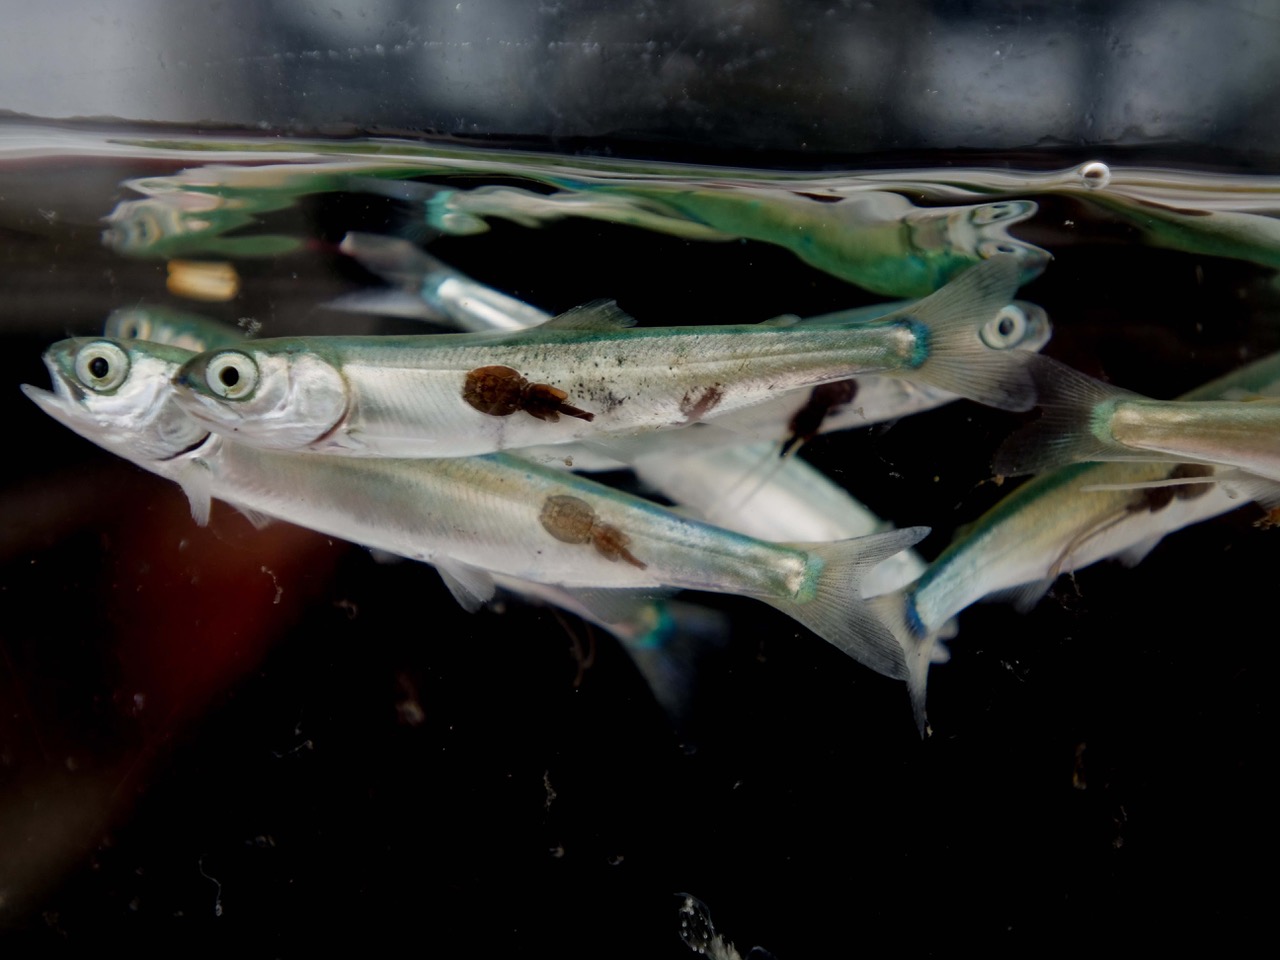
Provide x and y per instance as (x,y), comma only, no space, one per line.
(229,376)
(99,367)
(1006,327)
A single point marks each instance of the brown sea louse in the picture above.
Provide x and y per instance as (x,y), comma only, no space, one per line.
(573,520)
(501,391)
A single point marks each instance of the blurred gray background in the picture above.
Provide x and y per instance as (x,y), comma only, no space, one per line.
(843,76)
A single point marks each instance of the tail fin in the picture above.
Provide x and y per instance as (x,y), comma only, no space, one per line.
(1071,404)
(833,608)
(667,653)
(957,358)
(919,647)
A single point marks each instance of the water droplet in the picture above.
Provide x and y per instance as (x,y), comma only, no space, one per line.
(1095,175)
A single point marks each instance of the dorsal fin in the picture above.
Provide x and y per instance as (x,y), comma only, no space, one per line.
(598,315)
(782,320)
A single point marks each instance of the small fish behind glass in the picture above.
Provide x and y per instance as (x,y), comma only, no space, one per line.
(584,374)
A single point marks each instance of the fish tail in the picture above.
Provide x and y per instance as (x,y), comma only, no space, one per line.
(668,648)
(831,605)
(956,358)
(1072,426)
(920,648)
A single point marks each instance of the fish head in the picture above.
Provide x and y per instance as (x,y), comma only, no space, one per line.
(280,394)
(1017,326)
(117,394)
(957,237)
(159,325)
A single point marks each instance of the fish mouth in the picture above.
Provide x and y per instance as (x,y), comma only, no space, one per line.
(56,405)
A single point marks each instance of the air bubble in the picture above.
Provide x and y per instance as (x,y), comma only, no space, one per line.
(1095,175)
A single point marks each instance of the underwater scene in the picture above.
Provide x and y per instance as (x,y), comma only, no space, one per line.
(517,551)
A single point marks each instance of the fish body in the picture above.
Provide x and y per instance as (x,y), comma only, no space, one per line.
(1086,420)
(427,288)
(190,331)
(582,374)
(469,516)
(876,239)
(1062,521)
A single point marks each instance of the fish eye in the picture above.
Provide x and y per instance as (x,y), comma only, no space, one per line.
(135,328)
(991,248)
(102,366)
(1006,328)
(988,213)
(232,376)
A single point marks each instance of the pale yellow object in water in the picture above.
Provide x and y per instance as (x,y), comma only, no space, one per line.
(214,282)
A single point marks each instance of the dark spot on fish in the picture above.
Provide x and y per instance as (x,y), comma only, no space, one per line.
(573,520)
(824,399)
(568,519)
(820,197)
(1190,491)
(696,405)
(1157,498)
(500,391)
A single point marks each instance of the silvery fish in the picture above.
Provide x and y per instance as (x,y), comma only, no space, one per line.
(1083,419)
(470,517)
(1063,521)
(582,374)
(428,289)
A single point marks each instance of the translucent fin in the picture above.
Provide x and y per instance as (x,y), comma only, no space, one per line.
(783,320)
(667,647)
(616,608)
(470,586)
(196,481)
(260,521)
(835,611)
(385,556)
(1134,555)
(601,316)
(1024,596)
(957,359)
(897,612)
(1071,403)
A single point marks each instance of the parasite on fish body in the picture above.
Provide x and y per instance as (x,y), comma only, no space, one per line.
(439,396)
(471,517)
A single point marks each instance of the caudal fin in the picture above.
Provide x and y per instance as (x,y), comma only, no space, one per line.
(1071,404)
(957,358)
(833,608)
(919,647)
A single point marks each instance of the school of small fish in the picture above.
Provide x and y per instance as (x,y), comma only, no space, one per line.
(467,450)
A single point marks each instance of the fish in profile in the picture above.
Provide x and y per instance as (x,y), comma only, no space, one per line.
(1065,520)
(426,288)
(473,517)
(876,239)
(583,374)
(178,328)
(1083,419)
